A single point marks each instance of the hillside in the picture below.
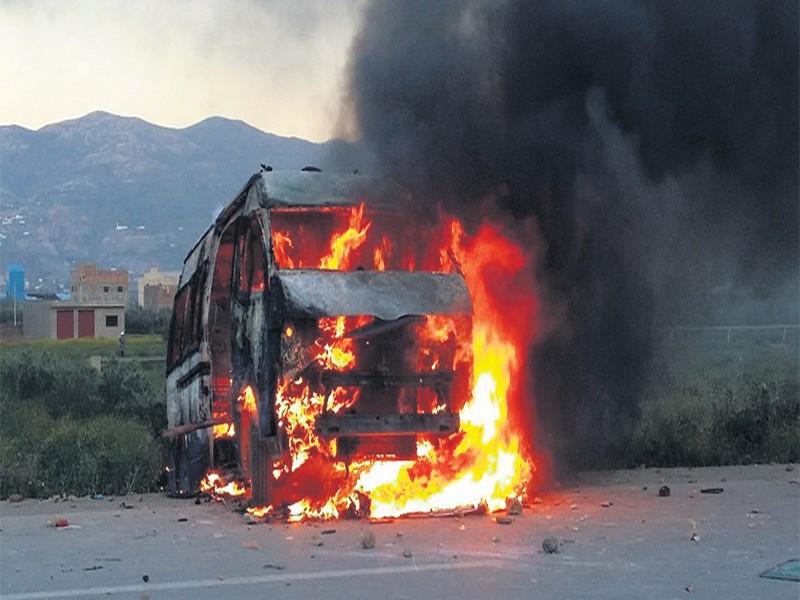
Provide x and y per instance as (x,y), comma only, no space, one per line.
(122,191)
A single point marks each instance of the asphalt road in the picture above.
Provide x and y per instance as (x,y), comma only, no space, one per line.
(638,547)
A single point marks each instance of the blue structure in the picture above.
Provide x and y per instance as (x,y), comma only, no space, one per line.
(16,282)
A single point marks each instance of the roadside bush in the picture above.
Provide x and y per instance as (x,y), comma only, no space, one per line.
(65,428)
(744,420)
(103,455)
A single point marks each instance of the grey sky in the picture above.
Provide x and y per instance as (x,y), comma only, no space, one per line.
(277,64)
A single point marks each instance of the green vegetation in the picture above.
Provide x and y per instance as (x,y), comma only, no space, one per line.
(139,320)
(67,428)
(712,401)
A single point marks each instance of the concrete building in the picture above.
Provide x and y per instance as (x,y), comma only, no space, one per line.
(66,320)
(157,289)
(96,308)
(99,286)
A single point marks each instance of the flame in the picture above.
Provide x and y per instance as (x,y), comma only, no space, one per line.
(224,430)
(488,460)
(214,483)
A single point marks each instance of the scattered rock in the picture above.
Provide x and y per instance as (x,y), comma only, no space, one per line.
(694,537)
(197,500)
(714,490)
(182,519)
(790,468)
(98,496)
(689,588)
(250,545)
(606,504)
(503,520)
(274,566)
(367,540)
(664,491)
(398,534)
(550,545)
(125,505)
(318,543)
(407,553)
(495,540)
(145,578)
(573,507)
(16,498)
(93,568)
(328,531)
(692,481)
(513,506)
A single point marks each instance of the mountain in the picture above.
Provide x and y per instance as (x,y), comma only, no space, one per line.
(123,192)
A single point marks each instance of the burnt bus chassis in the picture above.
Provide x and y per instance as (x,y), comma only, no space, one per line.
(228,322)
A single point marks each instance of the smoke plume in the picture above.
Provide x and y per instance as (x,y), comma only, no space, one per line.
(654,143)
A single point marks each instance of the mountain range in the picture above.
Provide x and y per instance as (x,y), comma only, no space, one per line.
(122,192)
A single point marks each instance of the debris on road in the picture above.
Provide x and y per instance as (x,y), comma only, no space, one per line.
(503,520)
(16,498)
(317,542)
(328,531)
(664,491)
(693,535)
(513,506)
(250,545)
(606,504)
(59,522)
(790,468)
(407,553)
(93,568)
(714,490)
(550,545)
(125,505)
(182,519)
(689,588)
(536,500)
(145,578)
(367,540)
(273,566)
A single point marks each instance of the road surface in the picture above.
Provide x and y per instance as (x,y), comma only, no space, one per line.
(616,540)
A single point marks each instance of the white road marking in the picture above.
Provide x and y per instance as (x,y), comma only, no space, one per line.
(251,580)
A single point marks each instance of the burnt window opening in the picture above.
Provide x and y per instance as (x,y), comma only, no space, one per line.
(119,289)
(251,261)
(186,330)
(112,321)
(105,289)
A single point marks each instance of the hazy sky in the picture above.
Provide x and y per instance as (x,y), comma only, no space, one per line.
(277,64)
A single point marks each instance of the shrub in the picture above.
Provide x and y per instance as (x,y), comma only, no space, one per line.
(102,455)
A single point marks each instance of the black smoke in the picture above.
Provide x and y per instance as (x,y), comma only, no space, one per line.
(655,143)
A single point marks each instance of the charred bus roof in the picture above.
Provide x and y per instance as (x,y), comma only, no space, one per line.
(315,189)
(302,189)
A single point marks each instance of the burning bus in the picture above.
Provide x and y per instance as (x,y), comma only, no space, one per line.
(298,343)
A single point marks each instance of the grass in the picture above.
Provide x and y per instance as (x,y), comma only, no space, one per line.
(135,346)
